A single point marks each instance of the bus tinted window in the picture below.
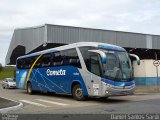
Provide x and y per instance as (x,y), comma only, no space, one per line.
(91,60)
(86,55)
(66,57)
(20,64)
(95,65)
(28,62)
(46,60)
(57,59)
(70,57)
(38,64)
(25,63)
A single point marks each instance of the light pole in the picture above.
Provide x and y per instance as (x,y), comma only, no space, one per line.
(156,61)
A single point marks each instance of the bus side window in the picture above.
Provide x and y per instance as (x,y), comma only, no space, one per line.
(95,65)
(86,55)
(27,63)
(38,63)
(57,59)
(65,60)
(20,64)
(70,57)
(46,60)
(75,62)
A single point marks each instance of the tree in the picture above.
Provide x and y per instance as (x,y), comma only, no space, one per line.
(1,67)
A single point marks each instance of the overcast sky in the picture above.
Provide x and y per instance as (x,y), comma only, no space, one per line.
(142,16)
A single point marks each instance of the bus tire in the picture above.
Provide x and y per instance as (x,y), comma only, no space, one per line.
(77,92)
(29,88)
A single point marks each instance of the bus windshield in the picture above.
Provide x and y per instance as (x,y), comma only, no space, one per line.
(118,66)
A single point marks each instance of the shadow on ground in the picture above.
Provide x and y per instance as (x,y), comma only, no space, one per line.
(69,97)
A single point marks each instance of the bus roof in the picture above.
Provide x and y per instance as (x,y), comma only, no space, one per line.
(74,45)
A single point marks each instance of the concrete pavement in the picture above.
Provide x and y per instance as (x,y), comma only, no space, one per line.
(7,105)
(63,104)
(59,104)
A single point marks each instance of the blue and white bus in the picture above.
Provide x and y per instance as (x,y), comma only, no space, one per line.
(85,69)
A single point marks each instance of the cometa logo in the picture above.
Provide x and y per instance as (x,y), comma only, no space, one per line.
(55,72)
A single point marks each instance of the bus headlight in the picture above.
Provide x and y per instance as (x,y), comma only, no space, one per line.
(106,92)
(109,86)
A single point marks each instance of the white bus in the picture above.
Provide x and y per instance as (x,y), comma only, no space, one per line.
(85,69)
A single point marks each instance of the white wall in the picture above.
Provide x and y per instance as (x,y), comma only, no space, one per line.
(145,69)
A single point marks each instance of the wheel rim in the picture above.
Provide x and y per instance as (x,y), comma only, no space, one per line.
(79,92)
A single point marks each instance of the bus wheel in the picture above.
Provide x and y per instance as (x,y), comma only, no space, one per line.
(77,92)
(29,89)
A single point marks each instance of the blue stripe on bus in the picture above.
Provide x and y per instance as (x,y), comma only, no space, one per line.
(116,83)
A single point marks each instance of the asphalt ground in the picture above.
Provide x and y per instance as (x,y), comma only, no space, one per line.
(42,103)
(5,103)
(50,106)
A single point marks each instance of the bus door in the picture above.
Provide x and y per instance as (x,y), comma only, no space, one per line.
(95,73)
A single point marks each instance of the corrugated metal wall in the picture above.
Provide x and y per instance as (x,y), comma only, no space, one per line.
(29,38)
(62,34)
(156,42)
(32,38)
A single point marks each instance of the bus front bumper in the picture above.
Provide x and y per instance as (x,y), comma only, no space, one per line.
(117,91)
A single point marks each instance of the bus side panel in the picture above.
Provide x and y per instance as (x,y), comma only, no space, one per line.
(42,82)
(93,83)
(56,79)
(21,76)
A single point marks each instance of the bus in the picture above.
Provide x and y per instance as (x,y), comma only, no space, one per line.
(84,69)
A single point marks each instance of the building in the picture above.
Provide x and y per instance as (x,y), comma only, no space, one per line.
(28,40)
(32,39)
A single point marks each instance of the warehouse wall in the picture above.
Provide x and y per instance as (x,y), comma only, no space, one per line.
(30,38)
(156,42)
(64,34)
(34,37)
(146,75)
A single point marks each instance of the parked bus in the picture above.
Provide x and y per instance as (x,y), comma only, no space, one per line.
(85,69)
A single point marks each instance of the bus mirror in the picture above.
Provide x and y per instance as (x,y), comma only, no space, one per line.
(102,54)
(137,58)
